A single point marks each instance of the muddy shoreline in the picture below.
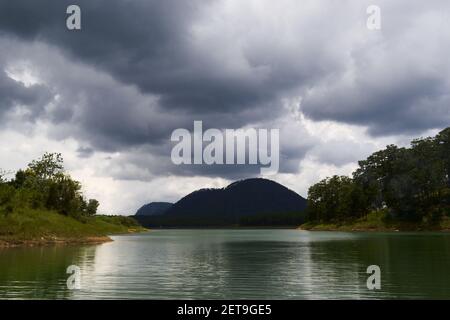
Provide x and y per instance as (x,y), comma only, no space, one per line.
(55,241)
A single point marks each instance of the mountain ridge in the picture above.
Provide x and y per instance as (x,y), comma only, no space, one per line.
(244,200)
(153,209)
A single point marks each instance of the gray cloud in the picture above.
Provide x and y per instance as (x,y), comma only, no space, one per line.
(146,43)
(341,152)
(139,69)
(14,94)
(395,81)
(85,152)
(400,100)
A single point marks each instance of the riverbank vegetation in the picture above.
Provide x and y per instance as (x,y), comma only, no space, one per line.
(393,188)
(43,204)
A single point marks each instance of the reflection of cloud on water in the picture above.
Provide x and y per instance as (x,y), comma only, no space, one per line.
(258,264)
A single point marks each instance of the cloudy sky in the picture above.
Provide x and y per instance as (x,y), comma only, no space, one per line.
(108,96)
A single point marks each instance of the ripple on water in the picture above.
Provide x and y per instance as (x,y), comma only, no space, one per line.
(234,264)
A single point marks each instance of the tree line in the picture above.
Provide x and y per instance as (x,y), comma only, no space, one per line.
(45,185)
(411,184)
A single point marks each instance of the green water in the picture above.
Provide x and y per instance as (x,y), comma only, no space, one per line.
(234,264)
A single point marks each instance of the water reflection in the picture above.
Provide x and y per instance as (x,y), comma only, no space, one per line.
(39,273)
(227,264)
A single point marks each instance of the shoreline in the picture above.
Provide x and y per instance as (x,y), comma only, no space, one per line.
(96,240)
(293,227)
(55,241)
(40,227)
(357,228)
(63,241)
(378,223)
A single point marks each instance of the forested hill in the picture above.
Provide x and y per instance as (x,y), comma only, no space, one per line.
(250,202)
(153,209)
(42,204)
(398,184)
(242,198)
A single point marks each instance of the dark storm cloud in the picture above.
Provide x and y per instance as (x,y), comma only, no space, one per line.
(14,93)
(85,152)
(146,43)
(150,44)
(396,81)
(172,62)
(408,102)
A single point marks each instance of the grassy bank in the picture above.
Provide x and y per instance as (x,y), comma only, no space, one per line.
(376,221)
(40,227)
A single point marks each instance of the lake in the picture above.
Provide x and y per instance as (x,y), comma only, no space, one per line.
(234,264)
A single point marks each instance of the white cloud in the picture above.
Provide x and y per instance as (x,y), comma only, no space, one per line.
(317,74)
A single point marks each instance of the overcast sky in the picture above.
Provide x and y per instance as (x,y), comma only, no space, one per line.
(109,96)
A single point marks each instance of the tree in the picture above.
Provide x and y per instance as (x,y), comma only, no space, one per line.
(2,176)
(20,178)
(92,206)
(411,183)
(44,184)
(443,144)
(6,193)
(48,166)
(335,198)
(64,195)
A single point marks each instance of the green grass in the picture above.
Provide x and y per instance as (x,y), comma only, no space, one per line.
(376,221)
(30,224)
(445,223)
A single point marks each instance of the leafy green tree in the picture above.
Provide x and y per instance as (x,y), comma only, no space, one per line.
(335,198)
(92,207)
(6,193)
(48,166)
(19,179)
(44,184)
(443,144)
(2,176)
(409,183)
(64,195)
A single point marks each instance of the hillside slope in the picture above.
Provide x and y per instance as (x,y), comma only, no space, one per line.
(38,227)
(246,202)
(153,208)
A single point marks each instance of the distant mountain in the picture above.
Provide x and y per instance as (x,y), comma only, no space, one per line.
(247,202)
(241,198)
(153,209)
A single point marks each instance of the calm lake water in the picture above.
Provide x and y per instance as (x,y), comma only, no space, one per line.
(234,264)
